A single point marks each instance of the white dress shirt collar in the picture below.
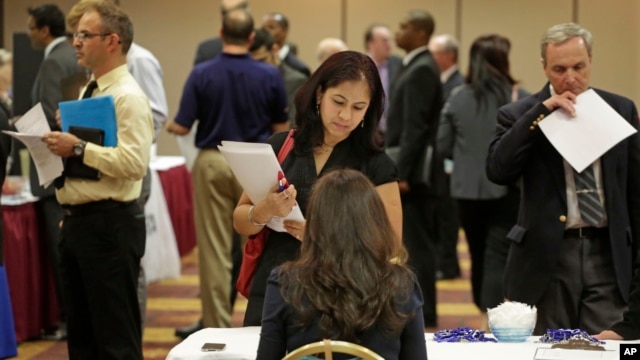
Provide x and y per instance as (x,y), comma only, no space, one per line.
(445,75)
(407,59)
(283,52)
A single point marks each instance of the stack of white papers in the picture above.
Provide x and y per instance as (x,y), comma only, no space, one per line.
(256,168)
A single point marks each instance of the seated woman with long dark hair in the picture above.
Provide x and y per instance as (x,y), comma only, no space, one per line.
(350,282)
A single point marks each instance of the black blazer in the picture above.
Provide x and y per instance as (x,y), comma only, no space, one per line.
(60,65)
(456,79)
(521,151)
(441,180)
(629,327)
(207,50)
(414,110)
(395,68)
(296,63)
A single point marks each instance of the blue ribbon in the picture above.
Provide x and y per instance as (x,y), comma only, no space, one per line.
(554,336)
(461,334)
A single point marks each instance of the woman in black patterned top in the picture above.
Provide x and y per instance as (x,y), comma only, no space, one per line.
(337,115)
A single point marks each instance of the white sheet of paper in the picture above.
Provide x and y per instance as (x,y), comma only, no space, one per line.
(256,168)
(573,354)
(31,126)
(595,129)
(34,122)
(48,165)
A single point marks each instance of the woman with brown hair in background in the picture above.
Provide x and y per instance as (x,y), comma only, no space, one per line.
(333,291)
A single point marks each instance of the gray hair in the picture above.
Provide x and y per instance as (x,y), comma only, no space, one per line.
(448,42)
(560,33)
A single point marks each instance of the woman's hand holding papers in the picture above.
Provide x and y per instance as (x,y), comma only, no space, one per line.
(278,203)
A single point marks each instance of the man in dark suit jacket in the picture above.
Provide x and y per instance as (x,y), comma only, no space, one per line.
(577,271)
(377,42)
(208,49)
(416,100)
(278,25)
(264,49)
(445,51)
(46,25)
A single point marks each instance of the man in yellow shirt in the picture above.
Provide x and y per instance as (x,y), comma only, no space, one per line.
(103,232)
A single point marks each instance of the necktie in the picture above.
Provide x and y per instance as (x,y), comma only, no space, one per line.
(591,208)
(92,85)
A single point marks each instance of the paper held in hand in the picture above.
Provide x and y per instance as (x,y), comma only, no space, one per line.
(595,129)
(31,127)
(256,168)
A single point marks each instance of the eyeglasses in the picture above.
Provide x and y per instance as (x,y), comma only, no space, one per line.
(82,36)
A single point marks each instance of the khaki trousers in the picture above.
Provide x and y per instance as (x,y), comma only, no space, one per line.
(216,193)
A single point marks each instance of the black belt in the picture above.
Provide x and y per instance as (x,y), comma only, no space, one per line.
(93,207)
(587,232)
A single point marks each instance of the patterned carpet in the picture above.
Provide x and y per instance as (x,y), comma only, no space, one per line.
(174,303)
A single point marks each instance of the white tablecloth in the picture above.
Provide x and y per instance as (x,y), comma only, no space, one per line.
(242,344)
(161,258)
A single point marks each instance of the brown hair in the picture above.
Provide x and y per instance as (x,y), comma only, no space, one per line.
(349,251)
(113,19)
(488,73)
(338,68)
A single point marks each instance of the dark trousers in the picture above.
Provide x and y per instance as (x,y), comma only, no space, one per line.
(236,256)
(583,292)
(447,225)
(418,238)
(486,224)
(145,192)
(101,251)
(51,214)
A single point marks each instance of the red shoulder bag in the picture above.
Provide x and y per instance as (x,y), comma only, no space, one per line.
(255,244)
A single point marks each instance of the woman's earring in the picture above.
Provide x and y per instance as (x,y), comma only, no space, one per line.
(318,109)
(362,124)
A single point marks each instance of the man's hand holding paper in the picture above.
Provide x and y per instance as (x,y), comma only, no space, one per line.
(60,143)
(564,101)
(583,138)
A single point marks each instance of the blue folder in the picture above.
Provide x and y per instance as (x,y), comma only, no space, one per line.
(96,112)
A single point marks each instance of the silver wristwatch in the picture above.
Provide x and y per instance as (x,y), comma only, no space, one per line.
(78,148)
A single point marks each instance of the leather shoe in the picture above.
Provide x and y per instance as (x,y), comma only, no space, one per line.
(441,275)
(56,335)
(184,332)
